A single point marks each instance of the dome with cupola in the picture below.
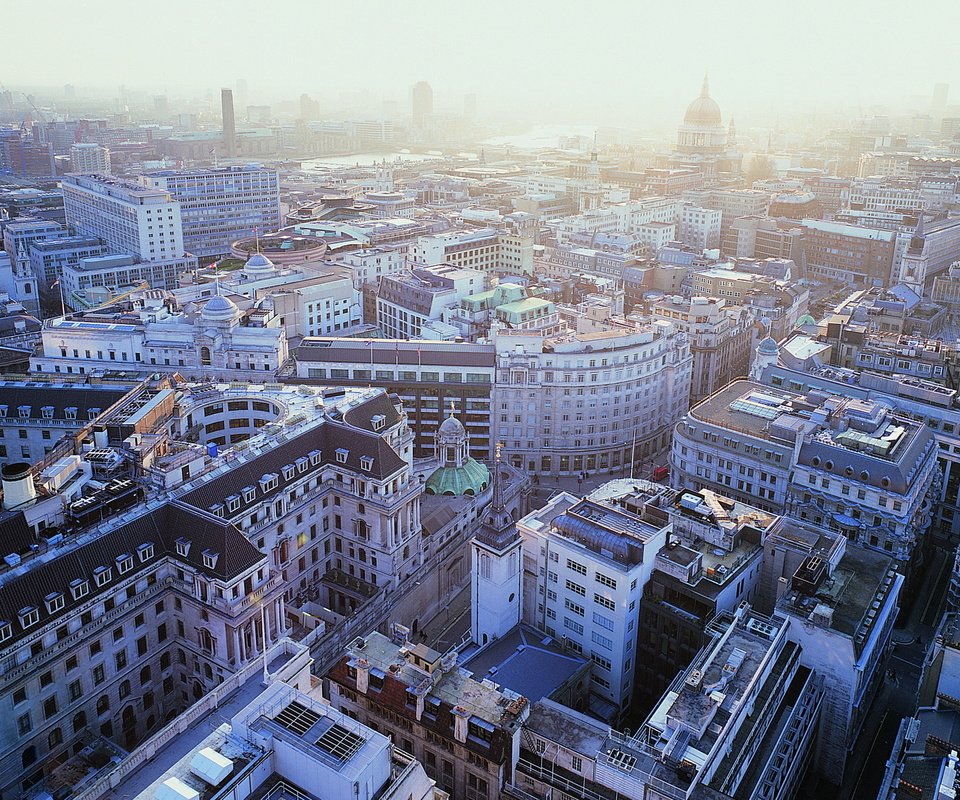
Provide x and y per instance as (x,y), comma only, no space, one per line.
(704,110)
(219,309)
(458,473)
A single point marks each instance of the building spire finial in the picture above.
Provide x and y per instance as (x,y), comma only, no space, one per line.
(705,89)
(497,501)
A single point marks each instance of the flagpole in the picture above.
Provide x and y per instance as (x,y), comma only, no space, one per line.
(63,307)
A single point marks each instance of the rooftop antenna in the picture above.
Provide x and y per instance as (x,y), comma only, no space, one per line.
(256,233)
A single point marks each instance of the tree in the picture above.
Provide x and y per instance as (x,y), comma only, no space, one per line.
(760,168)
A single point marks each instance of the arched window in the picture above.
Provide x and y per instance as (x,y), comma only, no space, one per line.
(29,756)
(484,566)
(79,721)
(205,356)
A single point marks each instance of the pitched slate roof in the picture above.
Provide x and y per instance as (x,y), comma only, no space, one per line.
(39,395)
(162,527)
(326,439)
(15,534)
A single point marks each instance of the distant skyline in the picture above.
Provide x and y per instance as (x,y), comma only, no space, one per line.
(613,62)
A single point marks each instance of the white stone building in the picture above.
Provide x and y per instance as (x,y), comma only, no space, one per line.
(131,218)
(585,564)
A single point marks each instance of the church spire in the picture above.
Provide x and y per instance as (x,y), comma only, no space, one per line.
(705,89)
(497,530)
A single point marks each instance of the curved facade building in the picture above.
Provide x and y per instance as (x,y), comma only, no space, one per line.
(590,402)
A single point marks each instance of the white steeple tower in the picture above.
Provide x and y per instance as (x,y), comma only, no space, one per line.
(495,584)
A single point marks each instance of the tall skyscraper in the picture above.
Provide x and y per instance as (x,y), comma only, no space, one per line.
(229,122)
(309,108)
(422,103)
(242,92)
(940,93)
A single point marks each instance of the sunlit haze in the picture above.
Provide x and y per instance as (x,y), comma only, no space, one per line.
(615,63)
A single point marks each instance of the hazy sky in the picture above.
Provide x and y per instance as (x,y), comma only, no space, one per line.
(604,57)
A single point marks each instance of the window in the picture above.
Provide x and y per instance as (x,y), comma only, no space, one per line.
(605,602)
(576,588)
(183,546)
(50,707)
(576,567)
(24,725)
(570,624)
(603,641)
(145,552)
(29,616)
(79,588)
(576,609)
(606,581)
(54,602)
(101,576)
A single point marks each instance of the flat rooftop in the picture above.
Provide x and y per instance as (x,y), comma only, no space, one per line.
(526,661)
(456,686)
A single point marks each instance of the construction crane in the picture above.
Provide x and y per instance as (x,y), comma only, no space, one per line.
(140,287)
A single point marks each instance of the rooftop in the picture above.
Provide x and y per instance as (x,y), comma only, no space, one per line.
(427,673)
(525,661)
(848,599)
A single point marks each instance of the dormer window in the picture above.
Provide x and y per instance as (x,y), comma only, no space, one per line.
(93,413)
(378,422)
(315,457)
(102,575)
(3,411)
(23,411)
(342,455)
(183,546)
(217,509)
(366,463)
(145,552)
(54,602)
(47,412)
(210,559)
(249,494)
(268,482)
(124,563)
(79,588)
(70,412)
(6,631)
(29,616)
(233,503)
(302,464)
(288,471)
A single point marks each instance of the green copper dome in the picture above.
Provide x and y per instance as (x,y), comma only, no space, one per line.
(805,320)
(470,478)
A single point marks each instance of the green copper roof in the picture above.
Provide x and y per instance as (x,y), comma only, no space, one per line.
(472,478)
(806,319)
